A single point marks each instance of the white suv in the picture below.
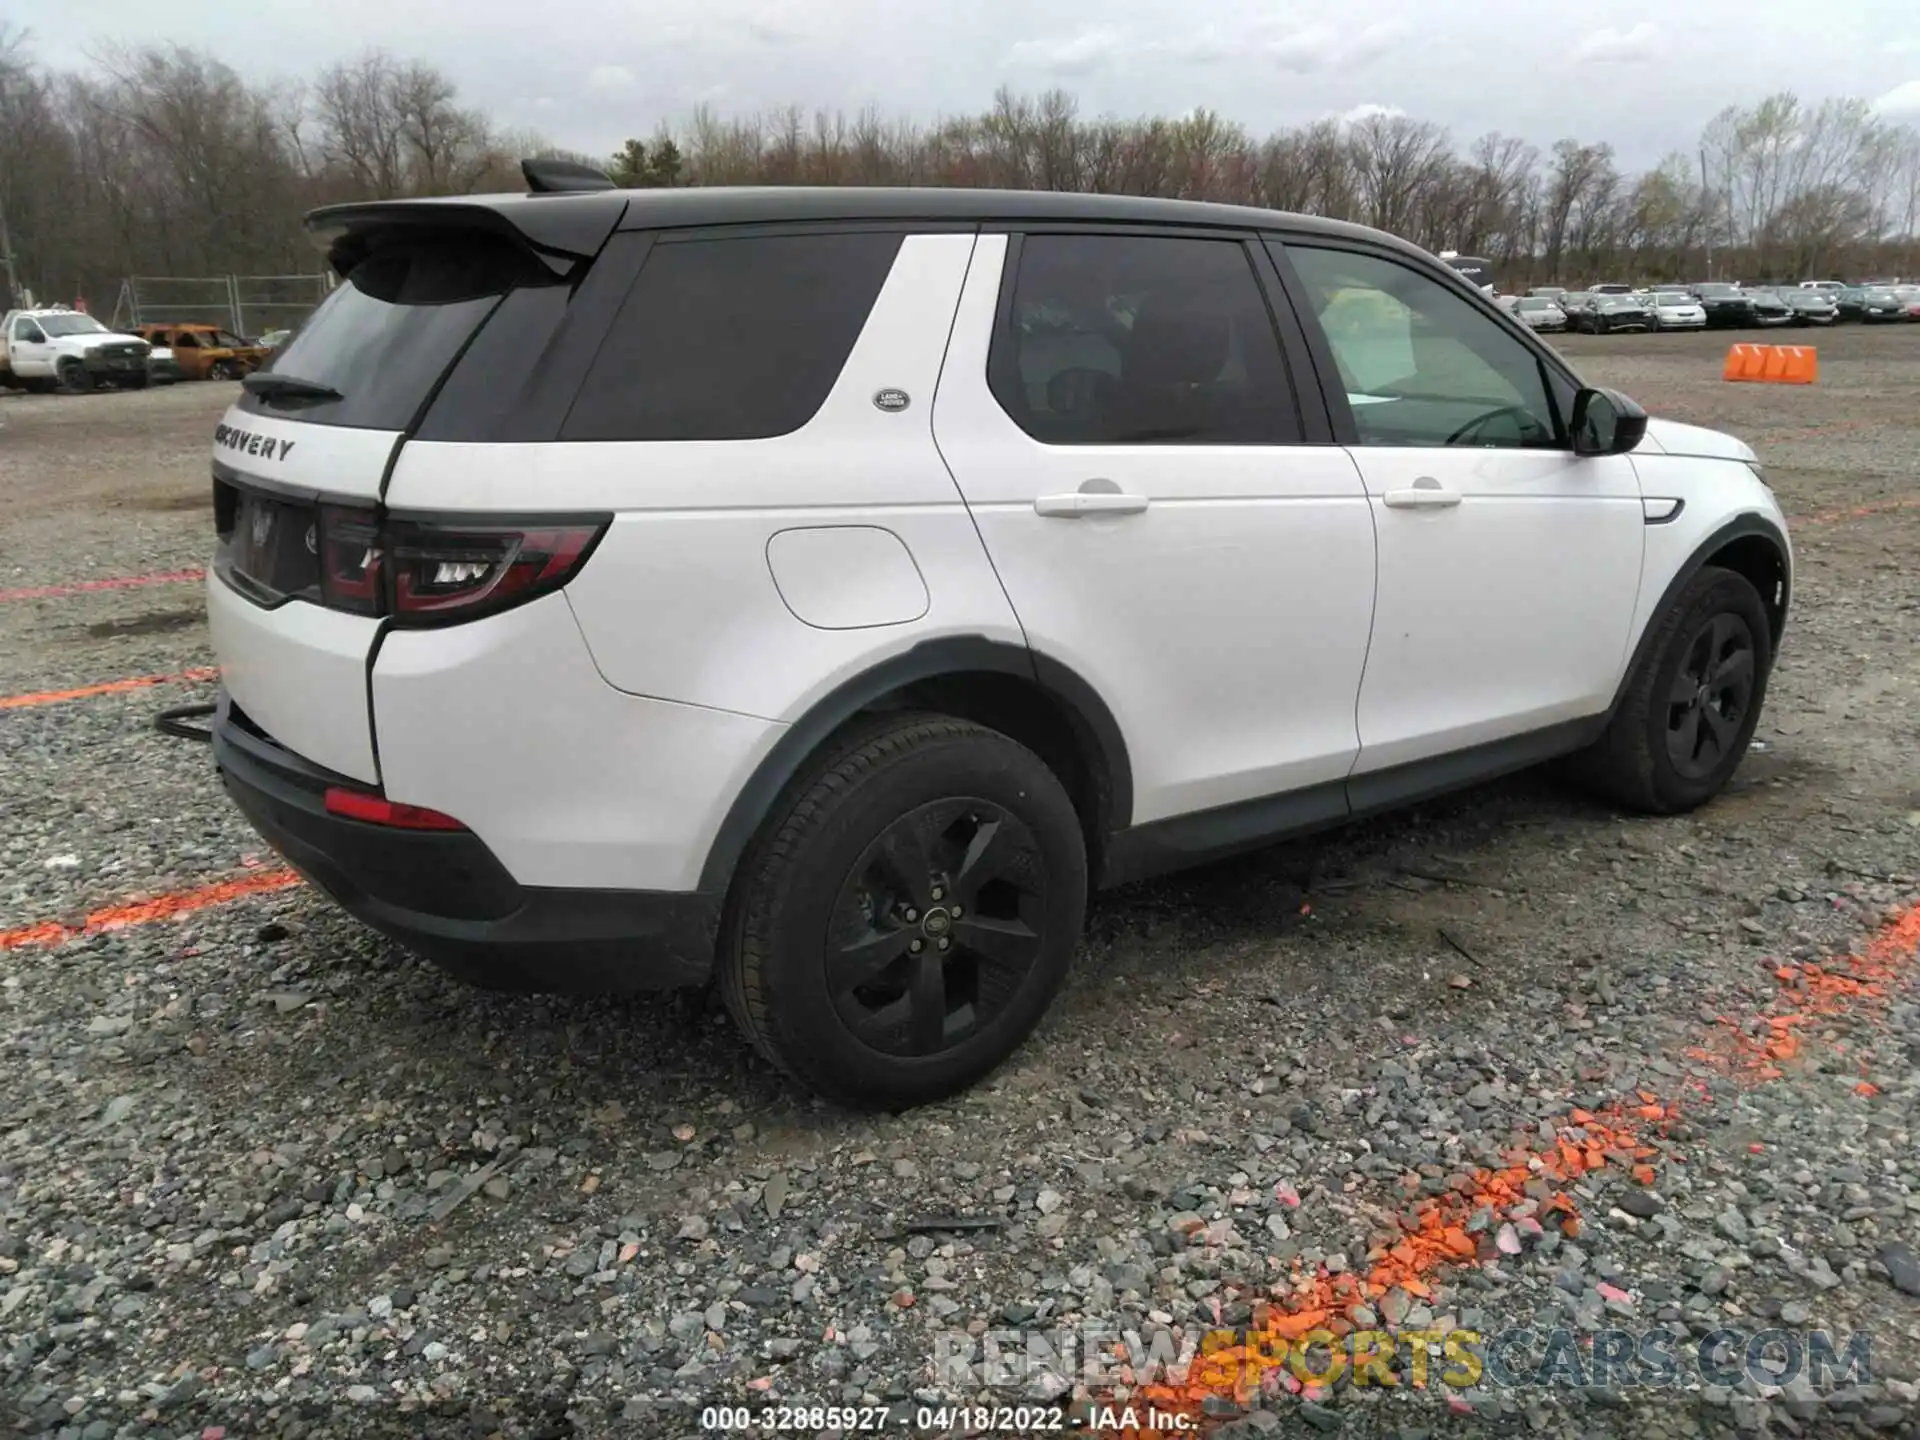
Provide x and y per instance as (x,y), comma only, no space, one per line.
(821,591)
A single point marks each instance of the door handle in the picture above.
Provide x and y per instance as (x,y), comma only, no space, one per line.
(1094,497)
(1426,493)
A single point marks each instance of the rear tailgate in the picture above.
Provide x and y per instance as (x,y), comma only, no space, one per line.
(300,590)
(297,668)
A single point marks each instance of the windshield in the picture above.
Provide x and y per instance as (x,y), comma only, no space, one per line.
(1718,291)
(391,329)
(1537,302)
(1672,297)
(75,324)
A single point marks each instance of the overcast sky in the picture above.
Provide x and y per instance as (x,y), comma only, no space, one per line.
(587,75)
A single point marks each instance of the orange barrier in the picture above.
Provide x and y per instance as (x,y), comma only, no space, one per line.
(1778,364)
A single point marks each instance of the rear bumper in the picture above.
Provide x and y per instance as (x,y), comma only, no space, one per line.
(444,894)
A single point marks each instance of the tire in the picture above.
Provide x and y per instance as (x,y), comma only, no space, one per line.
(70,377)
(841,860)
(1637,763)
(221,370)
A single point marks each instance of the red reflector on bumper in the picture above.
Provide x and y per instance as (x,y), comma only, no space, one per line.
(377,810)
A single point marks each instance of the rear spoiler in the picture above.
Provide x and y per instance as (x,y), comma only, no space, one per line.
(561,229)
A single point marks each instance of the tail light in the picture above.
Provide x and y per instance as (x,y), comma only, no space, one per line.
(350,551)
(378,810)
(429,572)
(446,570)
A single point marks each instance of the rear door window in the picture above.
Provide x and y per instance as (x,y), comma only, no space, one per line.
(1141,340)
(732,338)
(389,331)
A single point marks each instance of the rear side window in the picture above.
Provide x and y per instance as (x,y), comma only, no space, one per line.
(1141,340)
(732,339)
(389,331)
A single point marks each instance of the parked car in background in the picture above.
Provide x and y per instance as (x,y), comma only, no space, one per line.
(206,352)
(1540,312)
(1830,286)
(1478,269)
(1575,303)
(1909,297)
(1881,304)
(1611,287)
(1810,306)
(1677,310)
(1548,292)
(1846,303)
(1610,312)
(1769,310)
(162,368)
(68,351)
(1727,306)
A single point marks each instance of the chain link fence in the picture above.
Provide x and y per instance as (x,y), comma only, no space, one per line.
(248,305)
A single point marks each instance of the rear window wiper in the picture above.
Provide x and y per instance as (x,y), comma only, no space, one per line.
(269,386)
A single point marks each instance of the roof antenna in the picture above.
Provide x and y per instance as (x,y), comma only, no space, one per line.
(550,176)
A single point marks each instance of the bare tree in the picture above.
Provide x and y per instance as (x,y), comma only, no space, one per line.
(163,159)
(1397,159)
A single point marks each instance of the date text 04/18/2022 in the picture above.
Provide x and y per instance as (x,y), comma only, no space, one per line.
(938,1419)
(1100,1420)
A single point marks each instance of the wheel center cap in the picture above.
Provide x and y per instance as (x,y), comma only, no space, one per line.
(1702,695)
(937,921)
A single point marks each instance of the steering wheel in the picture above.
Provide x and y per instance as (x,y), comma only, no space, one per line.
(1480,422)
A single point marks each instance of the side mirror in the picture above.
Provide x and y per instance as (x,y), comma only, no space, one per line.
(1605,422)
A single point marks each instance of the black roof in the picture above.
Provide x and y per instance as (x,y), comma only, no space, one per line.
(577,224)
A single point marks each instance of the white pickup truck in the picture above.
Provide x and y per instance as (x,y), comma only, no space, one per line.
(69,351)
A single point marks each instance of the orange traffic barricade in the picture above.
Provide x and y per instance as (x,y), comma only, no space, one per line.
(1779,364)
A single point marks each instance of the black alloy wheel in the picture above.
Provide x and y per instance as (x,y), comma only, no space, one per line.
(1711,695)
(1687,713)
(907,913)
(937,927)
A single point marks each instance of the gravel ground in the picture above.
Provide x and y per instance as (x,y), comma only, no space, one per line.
(264,1174)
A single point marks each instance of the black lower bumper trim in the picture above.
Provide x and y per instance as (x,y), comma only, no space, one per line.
(446,896)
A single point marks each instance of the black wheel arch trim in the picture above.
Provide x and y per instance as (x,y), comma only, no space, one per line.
(1738,528)
(931,659)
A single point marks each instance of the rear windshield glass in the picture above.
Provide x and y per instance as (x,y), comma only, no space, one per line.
(390,329)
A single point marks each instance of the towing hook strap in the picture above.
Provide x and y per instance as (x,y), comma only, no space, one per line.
(173,722)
